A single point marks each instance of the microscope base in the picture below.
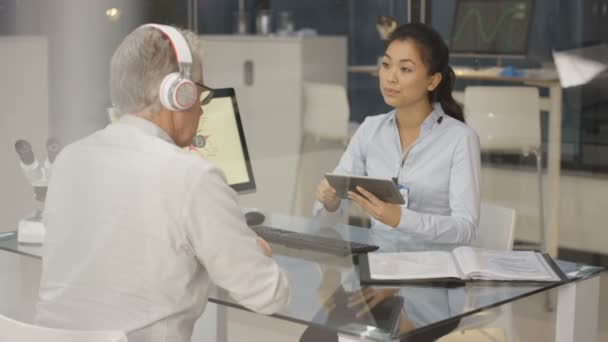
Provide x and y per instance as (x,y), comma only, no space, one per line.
(31,231)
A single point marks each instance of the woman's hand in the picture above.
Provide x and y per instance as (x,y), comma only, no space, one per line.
(387,213)
(327,196)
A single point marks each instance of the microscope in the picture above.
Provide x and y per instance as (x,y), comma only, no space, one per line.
(31,229)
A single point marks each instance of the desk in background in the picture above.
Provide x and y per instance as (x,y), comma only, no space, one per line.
(544,78)
(315,276)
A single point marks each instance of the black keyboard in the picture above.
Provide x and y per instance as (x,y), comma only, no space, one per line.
(312,242)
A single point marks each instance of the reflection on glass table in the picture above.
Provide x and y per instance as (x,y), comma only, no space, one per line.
(326,293)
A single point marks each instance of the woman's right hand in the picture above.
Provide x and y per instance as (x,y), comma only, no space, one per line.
(327,196)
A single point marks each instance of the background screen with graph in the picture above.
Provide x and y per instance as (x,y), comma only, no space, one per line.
(494,27)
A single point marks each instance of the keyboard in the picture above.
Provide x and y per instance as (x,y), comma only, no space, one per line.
(312,242)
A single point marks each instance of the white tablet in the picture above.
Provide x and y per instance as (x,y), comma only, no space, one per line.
(385,189)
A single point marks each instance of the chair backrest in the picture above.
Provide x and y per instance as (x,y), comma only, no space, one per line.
(326,111)
(12,330)
(496,227)
(506,118)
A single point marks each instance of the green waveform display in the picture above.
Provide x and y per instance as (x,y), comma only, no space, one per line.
(496,27)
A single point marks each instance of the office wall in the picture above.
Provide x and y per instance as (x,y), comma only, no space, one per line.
(24,115)
(54,83)
(82,39)
(8,9)
(29,18)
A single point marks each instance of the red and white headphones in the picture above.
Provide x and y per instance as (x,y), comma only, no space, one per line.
(177,91)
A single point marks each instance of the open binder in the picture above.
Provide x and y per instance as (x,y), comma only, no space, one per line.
(463,264)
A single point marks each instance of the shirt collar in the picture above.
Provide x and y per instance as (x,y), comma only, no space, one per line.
(430,120)
(145,126)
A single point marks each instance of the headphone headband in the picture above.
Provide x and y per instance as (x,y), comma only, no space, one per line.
(180,47)
(177,91)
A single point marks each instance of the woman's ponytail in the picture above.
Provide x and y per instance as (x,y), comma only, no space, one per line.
(443,95)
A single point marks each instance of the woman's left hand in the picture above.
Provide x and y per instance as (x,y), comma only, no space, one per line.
(387,213)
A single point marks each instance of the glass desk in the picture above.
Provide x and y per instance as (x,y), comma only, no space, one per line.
(322,284)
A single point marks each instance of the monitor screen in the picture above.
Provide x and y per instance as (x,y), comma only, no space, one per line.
(220,138)
(492,27)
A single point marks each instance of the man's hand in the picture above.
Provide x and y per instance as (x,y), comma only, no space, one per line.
(330,284)
(387,213)
(327,196)
(368,297)
(264,246)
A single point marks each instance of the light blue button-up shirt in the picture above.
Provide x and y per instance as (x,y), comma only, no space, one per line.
(441,169)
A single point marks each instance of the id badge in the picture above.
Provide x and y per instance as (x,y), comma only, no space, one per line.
(404,191)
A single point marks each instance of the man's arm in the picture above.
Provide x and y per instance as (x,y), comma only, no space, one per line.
(227,248)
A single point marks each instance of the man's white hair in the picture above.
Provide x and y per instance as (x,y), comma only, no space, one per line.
(139,65)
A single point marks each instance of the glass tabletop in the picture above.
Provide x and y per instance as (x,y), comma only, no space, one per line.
(326,293)
(323,285)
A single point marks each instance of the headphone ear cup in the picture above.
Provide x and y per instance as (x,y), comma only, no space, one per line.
(177,93)
(165,92)
(185,94)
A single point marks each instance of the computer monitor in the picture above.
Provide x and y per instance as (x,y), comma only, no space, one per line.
(491,28)
(220,138)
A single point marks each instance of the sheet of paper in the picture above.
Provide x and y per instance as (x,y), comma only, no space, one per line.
(516,265)
(412,265)
(579,66)
(467,259)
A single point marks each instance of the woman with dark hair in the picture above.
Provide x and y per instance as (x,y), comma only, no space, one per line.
(423,144)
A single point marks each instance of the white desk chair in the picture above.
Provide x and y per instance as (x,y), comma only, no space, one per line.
(12,331)
(325,134)
(496,227)
(507,119)
(496,231)
(326,111)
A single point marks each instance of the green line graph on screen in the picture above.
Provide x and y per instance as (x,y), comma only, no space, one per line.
(492,26)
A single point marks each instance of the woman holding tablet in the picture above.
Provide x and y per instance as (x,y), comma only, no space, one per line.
(423,144)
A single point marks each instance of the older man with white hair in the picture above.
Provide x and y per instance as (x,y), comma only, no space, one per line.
(138,227)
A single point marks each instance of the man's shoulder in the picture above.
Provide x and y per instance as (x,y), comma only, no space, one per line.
(115,142)
(191,159)
(192,166)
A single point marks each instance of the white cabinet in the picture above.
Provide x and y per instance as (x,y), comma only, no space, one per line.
(267,74)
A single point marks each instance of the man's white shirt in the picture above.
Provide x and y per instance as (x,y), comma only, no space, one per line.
(138,228)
